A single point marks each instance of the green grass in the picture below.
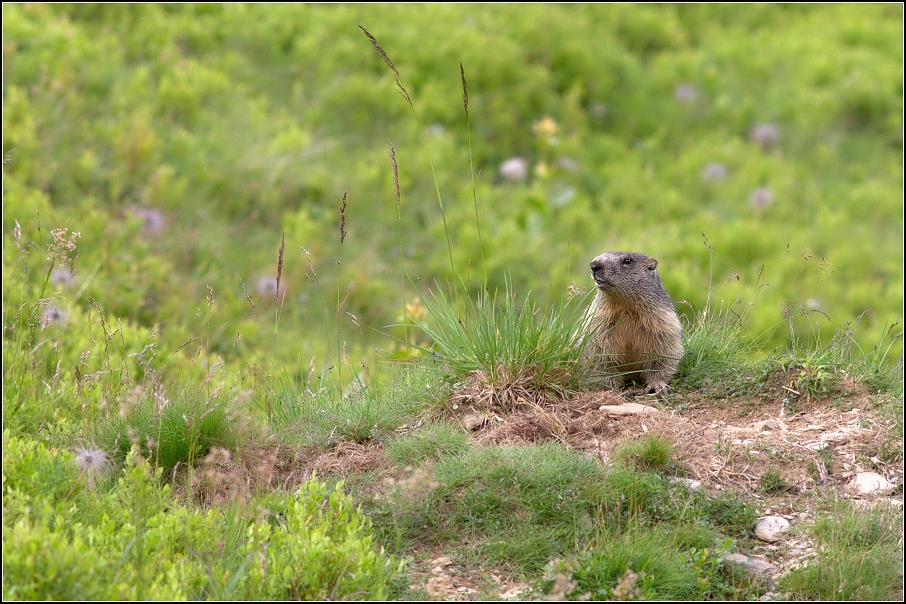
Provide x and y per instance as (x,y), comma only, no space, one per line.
(508,350)
(328,415)
(518,507)
(716,346)
(655,564)
(191,146)
(860,557)
(435,440)
(651,452)
(179,431)
(772,482)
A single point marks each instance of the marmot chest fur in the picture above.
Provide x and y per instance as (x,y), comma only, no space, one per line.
(636,332)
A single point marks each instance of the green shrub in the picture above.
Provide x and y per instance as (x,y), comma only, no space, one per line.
(321,550)
(131,540)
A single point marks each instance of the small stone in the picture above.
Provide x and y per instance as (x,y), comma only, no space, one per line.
(756,567)
(772,528)
(473,422)
(627,409)
(692,485)
(868,483)
(769,424)
(836,438)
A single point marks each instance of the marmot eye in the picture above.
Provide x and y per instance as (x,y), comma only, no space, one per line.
(627,261)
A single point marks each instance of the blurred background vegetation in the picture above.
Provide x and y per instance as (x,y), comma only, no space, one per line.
(182,141)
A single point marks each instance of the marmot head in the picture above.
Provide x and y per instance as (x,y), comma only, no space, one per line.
(623,272)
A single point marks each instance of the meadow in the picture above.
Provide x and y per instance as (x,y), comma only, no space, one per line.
(293,287)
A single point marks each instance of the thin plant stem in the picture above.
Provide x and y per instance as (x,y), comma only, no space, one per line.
(339,279)
(399,222)
(465,105)
(405,94)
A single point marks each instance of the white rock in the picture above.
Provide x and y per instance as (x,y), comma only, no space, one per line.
(769,424)
(772,528)
(692,485)
(836,438)
(757,567)
(514,592)
(627,409)
(473,422)
(868,483)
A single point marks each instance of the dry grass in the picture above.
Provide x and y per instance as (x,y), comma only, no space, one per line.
(504,391)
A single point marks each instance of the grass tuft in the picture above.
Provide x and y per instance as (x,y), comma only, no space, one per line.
(860,557)
(434,441)
(177,432)
(651,452)
(505,353)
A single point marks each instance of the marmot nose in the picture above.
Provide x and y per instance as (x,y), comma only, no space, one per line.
(596,265)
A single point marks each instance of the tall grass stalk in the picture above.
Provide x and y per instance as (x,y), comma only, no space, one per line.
(340,278)
(399,222)
(465,106)
(277,303)
(405,94)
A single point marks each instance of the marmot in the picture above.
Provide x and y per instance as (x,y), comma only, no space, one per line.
(637,333)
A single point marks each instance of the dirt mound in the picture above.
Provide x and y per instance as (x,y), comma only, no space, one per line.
(723,442)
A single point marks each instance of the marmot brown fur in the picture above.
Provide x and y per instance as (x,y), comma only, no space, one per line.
(637,333)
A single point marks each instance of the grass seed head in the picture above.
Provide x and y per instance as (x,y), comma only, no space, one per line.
(396,74)
(396,173)
(280,266)
(63,246)
(342,223)
(465,90)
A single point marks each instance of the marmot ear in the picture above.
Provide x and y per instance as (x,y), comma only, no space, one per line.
(652,264)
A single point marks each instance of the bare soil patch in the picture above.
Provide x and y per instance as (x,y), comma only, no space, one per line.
(722,442)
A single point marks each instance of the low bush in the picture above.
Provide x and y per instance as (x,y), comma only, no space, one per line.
(131,540)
